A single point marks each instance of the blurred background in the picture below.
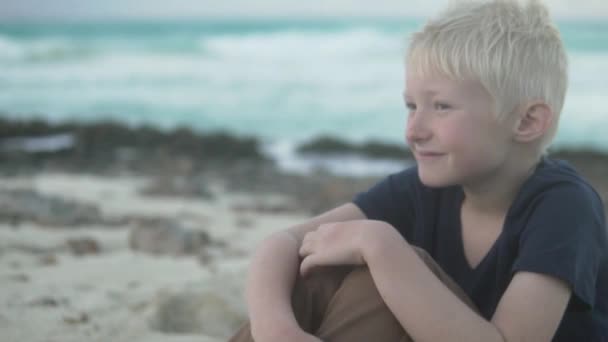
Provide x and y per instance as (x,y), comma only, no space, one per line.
(282,72)
(147,147)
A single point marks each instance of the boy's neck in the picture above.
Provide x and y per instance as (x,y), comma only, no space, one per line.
(494,195)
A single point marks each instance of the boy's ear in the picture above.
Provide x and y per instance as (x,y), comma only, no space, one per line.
(533,121)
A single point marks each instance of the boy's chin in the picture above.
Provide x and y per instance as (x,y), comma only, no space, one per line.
(434,181)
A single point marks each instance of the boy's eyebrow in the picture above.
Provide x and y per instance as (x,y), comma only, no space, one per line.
(426,92)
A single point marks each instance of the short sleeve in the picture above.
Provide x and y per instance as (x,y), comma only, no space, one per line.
(563,238)
(392,200)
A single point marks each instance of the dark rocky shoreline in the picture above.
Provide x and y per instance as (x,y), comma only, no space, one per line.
(185,162)
(105,146)
(181,162)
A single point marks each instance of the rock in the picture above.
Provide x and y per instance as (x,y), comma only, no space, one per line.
(166,237)
(20,277)
(49,302)
(48,260)
(45,301)
(263,208)
(204,257)
(244,222)
(190,312)
(83,246)
(314,193)
(28,205)
(76,318)
(30,248)
(327,145)
(112,146)
(322,192)
(182,186)
(133,284)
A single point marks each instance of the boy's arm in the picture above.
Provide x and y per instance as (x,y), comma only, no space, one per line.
(273,271)
(530,309)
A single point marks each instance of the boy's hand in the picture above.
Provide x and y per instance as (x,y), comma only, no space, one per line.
(339,243)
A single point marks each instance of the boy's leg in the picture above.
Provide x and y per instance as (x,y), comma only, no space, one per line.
(342,304)
(357,312)
(310,298)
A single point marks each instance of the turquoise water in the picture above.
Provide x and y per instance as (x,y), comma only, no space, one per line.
(283,81)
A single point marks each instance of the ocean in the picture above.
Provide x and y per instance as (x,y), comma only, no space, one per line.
(284,81)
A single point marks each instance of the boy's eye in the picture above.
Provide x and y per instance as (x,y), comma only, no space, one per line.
(442,106)
(410,106)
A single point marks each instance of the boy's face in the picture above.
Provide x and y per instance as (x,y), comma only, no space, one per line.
(453,131)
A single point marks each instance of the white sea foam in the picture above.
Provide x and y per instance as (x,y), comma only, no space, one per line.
(49,143)
(9,50)
(289,46)
(284,152)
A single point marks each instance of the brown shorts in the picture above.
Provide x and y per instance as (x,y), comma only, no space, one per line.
(342,304)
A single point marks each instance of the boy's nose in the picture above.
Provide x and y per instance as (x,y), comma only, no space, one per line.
(417,129)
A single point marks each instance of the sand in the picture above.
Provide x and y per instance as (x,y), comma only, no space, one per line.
(114,293)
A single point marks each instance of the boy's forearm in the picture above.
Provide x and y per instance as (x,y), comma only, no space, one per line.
(424,306)
(270,282)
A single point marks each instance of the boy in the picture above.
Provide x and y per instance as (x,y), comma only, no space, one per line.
(485,239)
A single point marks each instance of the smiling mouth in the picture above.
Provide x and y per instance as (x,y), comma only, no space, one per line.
(427,155)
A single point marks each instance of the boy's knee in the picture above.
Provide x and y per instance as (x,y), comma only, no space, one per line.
(324,283)
(359,284)
(324,277)
(360,275)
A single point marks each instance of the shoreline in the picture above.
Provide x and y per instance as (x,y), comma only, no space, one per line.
(69,140)
(183,162)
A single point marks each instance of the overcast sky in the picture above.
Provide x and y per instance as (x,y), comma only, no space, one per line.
(85,9)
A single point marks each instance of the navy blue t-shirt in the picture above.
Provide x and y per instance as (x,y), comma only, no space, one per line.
(555,226)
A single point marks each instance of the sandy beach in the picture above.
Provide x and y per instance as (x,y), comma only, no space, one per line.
(55,289)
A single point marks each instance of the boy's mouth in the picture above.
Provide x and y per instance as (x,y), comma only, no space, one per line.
(427,155)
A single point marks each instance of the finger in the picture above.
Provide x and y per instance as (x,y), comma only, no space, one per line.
(306,265)
(307,245)
(304,250)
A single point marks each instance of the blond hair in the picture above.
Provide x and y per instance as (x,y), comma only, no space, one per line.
(514,50)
